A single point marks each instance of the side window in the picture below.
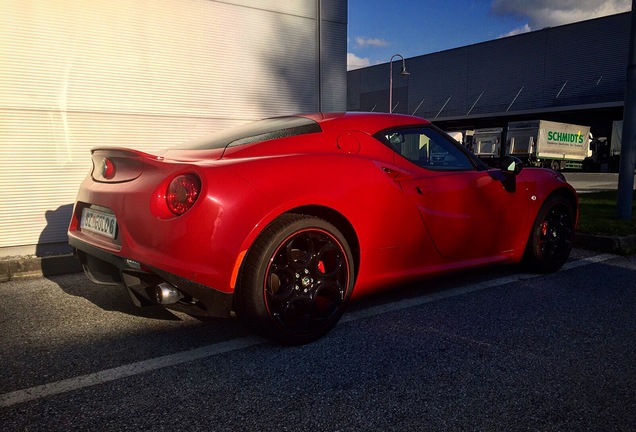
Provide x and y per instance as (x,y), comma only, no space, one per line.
(429,149)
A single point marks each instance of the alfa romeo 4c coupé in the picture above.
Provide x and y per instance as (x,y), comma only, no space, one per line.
(283,221)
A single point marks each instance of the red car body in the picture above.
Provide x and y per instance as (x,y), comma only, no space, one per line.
(401,220)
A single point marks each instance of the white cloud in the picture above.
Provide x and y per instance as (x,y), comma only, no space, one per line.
(355,62)
(523,29)
(547,13)
(374,42)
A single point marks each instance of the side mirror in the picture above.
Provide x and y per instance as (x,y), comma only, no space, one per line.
(511,165)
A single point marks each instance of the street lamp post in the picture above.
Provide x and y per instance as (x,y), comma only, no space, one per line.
(402,72)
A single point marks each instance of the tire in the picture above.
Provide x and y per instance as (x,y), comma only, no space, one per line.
(296,279)
(555,165)
(550,240)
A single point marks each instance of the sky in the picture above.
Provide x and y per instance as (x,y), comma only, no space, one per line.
(378,29)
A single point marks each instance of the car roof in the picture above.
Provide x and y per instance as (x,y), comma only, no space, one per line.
(299,124)
(370,122)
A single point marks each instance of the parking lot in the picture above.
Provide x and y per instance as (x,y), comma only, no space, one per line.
(495,349)
(592,182)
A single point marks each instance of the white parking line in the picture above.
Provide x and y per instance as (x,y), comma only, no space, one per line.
(80,382)
(137,368)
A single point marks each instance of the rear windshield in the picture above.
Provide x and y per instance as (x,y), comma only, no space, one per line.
(260,130)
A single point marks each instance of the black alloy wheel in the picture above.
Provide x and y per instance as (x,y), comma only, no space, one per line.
(552,234)
(296,280)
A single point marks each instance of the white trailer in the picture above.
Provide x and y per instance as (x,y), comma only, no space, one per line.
(548,144)
(487,143)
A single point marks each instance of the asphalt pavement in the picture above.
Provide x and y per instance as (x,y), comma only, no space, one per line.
(585,182)
(487,350)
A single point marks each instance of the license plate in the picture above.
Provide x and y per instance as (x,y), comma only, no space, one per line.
(99,222)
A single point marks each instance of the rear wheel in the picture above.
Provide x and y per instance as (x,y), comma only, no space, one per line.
(296,279)
(551,238)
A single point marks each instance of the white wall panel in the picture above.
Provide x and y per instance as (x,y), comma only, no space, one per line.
(194,57)
(138,73)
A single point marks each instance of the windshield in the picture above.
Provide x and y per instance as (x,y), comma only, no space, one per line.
(260,130)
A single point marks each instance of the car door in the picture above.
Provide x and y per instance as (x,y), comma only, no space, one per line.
(470,212)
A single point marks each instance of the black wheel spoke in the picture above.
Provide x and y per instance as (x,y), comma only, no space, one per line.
(555,233)
(299,251)
(306,281)
(552,234)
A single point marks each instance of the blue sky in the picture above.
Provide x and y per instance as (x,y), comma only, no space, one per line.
(377,29)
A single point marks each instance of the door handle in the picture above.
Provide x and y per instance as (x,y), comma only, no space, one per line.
(391,172)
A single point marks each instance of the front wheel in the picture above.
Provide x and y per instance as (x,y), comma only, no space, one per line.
(551,238)
(296,279)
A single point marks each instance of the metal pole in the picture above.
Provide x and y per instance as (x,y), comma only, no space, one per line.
(446,103)
(402,72)
(471,108)
(628,144)
(562,87)
(418,107)
(513,101)
(391,85)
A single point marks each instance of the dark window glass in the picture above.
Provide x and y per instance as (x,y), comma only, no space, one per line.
(260,130)
(428,148)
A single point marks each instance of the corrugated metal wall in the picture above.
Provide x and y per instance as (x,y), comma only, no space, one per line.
(333,46)
(145,74)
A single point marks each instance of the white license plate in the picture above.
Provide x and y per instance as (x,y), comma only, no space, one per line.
(99,222)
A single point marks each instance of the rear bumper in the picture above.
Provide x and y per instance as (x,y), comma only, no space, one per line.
(103,267)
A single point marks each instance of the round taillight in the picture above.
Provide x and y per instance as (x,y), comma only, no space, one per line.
(108,169)
(182,192)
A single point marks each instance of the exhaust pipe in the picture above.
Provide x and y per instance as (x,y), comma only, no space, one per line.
(167,294)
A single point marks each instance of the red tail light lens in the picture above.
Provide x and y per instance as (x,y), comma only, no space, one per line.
(108,169)
(182,193)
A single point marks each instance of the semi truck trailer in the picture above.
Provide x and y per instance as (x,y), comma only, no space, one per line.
(548,144)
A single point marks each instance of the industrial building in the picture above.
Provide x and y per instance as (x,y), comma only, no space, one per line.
(573,73)
(144,74)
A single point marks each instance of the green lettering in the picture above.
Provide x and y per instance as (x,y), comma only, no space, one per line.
(565,137)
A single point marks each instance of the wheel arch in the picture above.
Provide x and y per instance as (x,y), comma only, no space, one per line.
(571,196)
(567,193)
(338,220)
(326,213)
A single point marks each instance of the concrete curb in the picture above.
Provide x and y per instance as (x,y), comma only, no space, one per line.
(33,266)
(623,245)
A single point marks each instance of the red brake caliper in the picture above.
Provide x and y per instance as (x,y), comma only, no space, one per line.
(544,228)
(321,267)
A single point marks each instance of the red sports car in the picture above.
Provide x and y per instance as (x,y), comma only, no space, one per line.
(284,220)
